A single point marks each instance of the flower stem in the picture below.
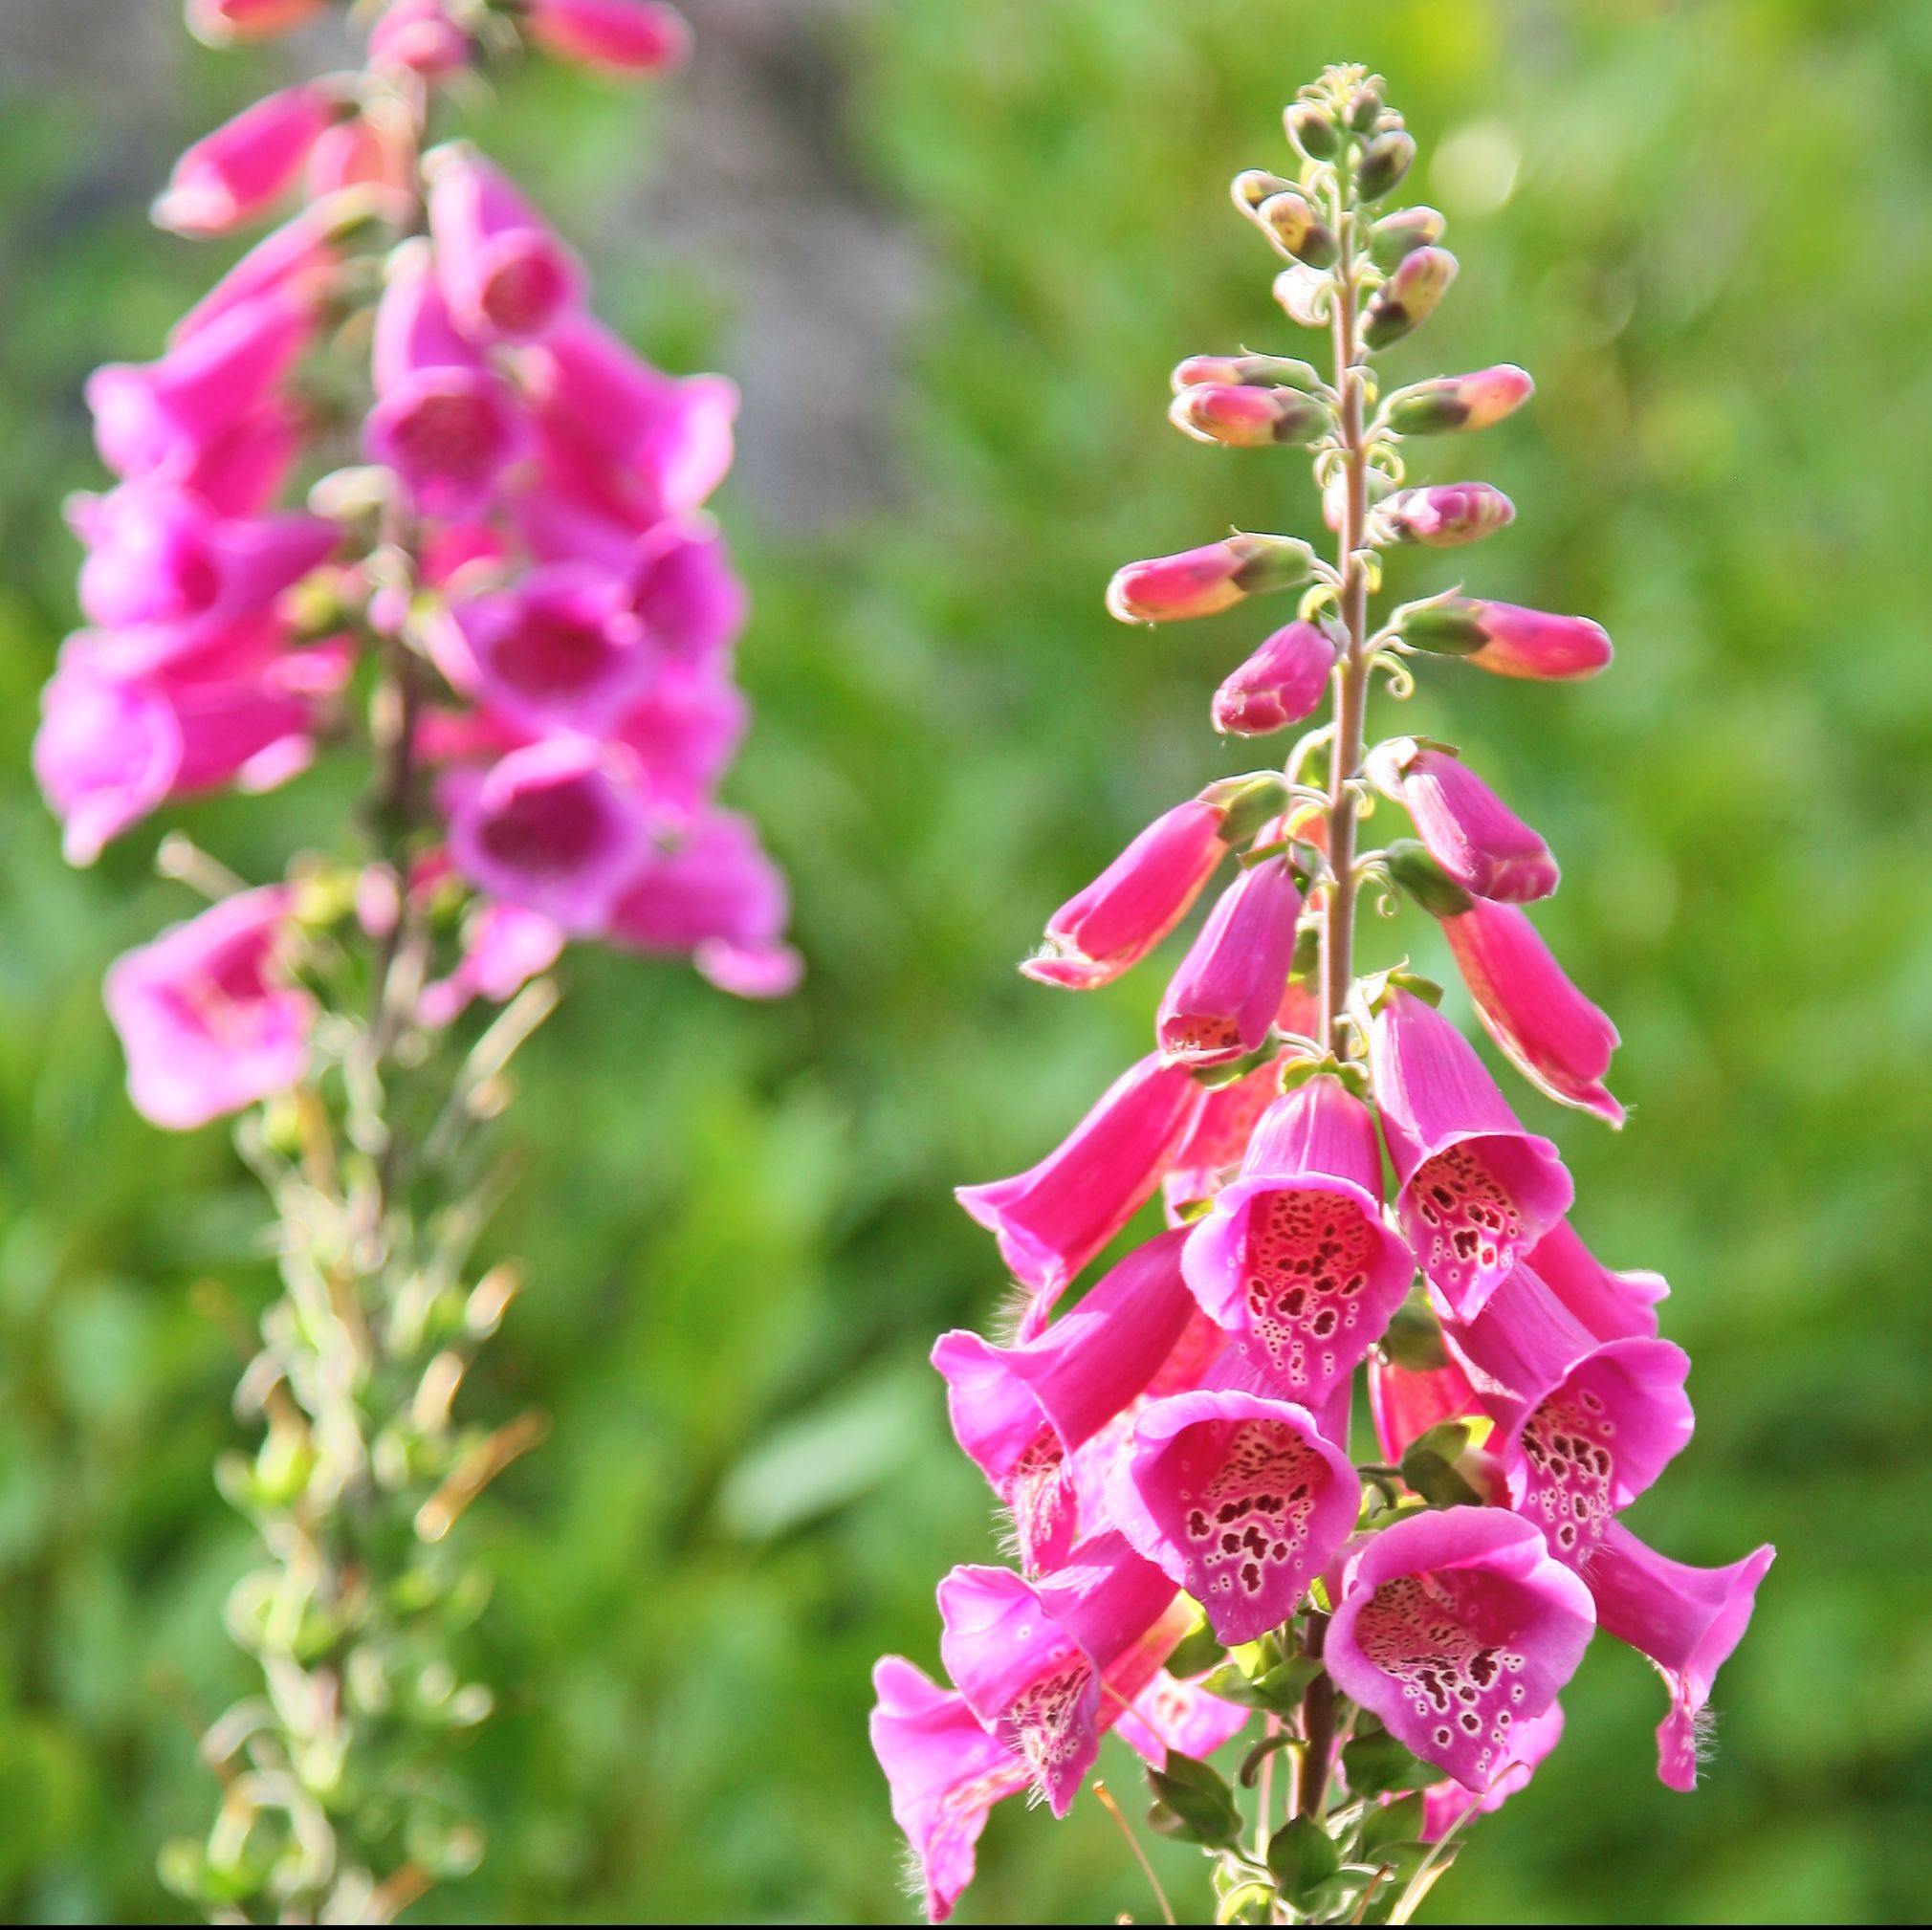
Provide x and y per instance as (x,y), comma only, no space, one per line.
(1318,1729)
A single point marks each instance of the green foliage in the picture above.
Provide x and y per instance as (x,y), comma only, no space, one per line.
(737,1221)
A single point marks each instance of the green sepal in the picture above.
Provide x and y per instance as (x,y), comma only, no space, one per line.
(1396,1822)
(1198,1801)
(1414,1336)
(1278,1690)
(1378,1764)
(1424,880)
(1247,803)
(1300,1855)
(1195,1653)
(1354,1076)
(1429,1465)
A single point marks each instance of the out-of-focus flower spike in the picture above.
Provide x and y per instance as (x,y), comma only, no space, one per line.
(230,176)
(419,37)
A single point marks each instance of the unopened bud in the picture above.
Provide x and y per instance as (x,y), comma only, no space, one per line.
(1312,128)
(1442,516)
(1402,233)
(1364,105)
(1254,186)
(1248,418)
(1505,639)
(1460,402)
(1245,371)
(1300,229)
(1279,685)
(1424,880)
(1247,804)
(1408,299)
(1199,582)
(1384,162)
(1304,294)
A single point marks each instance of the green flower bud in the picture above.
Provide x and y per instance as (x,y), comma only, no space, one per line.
(1384,162)
(1300,229)
(1245,371)
(1424,880)
(1408,299)
(1364,107)
(1312,128)
(1254,186)
(1402,233)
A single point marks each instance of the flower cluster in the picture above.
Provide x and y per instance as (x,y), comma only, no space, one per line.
(1346,1191)
(501,530)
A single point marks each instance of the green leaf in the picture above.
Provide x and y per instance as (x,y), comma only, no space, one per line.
(1429,1465)
(1199,1800)
(1396,1822)
(1196,1651)
(1280,1690)
(1300,1855)
(1377,1764)
(1414,1336)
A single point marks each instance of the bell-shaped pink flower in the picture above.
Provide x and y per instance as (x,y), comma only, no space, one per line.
(1406,1401)
(165,415)
(444,421)
(1508,639)
(1019,1412)
(156,555)
(1239,1498)
(683,731)
(504,947)
(1444,1805)
(1454,1626)
(944,1771)
(1220,1133)
(554,828)
(1029,1657)
(1476,1191)
(505,274)
(1216,576)
(614,36)
(1113,922)
(296,262)
(221,22)
(1051,1219)
(1170,1714)
(418,36)
(1686,1620)
(230,175)
(1279,685)
(717,896)
(684,590)
(1442,516)
(558,651)
(1480,844)
(372,155)
(1610,1305)
(207,1015)
(1295,1260)
(1586,1426)
(1545,1027)
(244,470)
(1220,1003)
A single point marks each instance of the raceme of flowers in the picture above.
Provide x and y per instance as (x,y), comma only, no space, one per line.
(394,432)
(1349,1195)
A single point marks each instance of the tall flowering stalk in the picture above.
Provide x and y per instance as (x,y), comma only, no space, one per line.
(391,494)
(1198,1553)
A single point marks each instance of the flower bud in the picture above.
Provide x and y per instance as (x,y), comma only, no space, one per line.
(222,22)
(1409,296)
(1444,515)
(1402,233)
(1504,639)
(1458,402)
(1384,162)
(1254,186)
(1424,880)
(1364,105)
(1312,128)
(1304,295)
(1279,685)
(1216,576)
(1245,371)
(1246,803)
(1248,418)
(1300,229)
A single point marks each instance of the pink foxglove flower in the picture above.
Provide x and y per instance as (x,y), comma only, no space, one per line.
(1029,1657)
(421,37)
(555,828)
(1117,920)
(1054,1217)
(1444,516)
(1219,1134)
(1444,1805)
(231,175)
(1508,639)
(1279,685)
(219,22)
(1453,1627)
(1460,402)
(617,37)
(1480,844)
(208,1014)
(445,421)
(1610,1305)
(1199,582)
(1405,1401)
(1239,1498)
(1686,1620)
(1222,1000)
(1021,1412)
(1548,1029)
(1477,1191)
(504,947)
(504,273)
(1295,1260)
(683,590)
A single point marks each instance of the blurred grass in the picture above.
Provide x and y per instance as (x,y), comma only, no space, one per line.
(1705,228)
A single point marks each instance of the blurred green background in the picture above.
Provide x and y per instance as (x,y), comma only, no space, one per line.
(953,250)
